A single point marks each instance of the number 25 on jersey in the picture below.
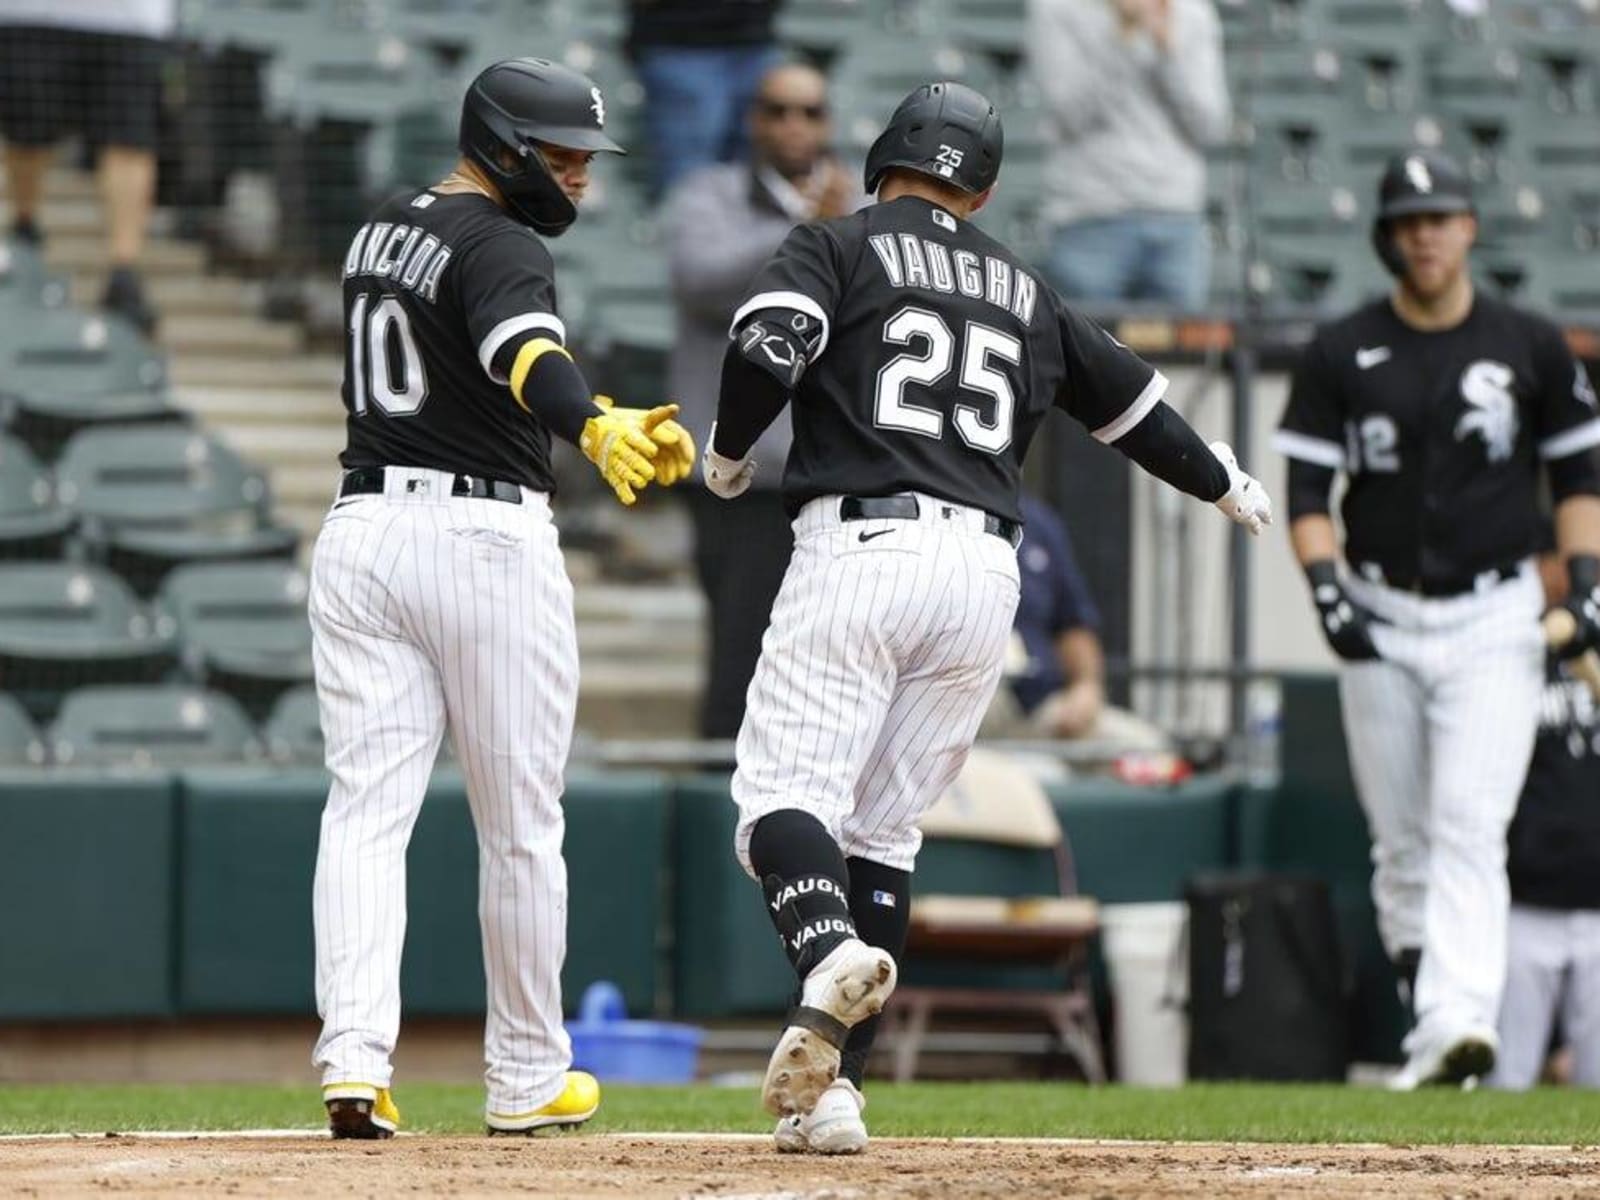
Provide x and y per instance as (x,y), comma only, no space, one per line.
(981,345)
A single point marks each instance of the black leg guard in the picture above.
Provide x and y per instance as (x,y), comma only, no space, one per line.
(803,875)
(880,906)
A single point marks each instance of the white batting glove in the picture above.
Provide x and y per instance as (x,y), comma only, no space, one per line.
(726,477)
(1246,501)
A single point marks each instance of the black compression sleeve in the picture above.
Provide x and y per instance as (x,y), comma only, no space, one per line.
(556,392)
(751,400)
(1165,445)
(1575,475)
(1309,485)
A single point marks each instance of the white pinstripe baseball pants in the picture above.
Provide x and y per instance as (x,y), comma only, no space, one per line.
(1440,732)
(885,647)
(427,610)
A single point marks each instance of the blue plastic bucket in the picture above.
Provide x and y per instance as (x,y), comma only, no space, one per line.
(611,1047)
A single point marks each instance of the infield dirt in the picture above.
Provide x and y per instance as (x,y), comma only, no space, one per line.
(643,1166)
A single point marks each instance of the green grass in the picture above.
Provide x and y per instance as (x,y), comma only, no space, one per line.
(1213,1112)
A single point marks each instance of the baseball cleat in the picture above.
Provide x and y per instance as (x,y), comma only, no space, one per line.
(360,1110)
(578,1101)
(834,1126)
(1451,1061)
(848,986)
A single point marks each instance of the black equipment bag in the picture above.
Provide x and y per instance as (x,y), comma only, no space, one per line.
(1268,997)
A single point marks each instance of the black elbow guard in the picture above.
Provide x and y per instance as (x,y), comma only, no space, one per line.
(781,342)
(1309,488)
(1575,475)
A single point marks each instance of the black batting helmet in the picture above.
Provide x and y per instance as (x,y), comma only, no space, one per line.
(521,101)
(945,130)
(1420,181)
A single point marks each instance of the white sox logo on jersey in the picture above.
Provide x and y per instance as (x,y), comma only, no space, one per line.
(1486,387)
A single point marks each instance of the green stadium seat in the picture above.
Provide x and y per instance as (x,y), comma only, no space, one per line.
(20,743)
(64,625)
(62,369)
(154,497)
(157,475)
(242,628)
(161,726)
(1295,144)
(601,21)
(25,282)
(994,26)
(1564,155)
(32,524)
(1562,82)
(1567,288)
(871,78)
(1364,147)
(293,732)
(1474,78)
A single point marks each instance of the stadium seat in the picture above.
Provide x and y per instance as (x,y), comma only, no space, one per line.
(1364,147)
(64,625)
(293,731)
(25,282)
(871,78)
(151,726)
(242,628)
(62,369)
(32,524)
(152,497)
(825,26)
(994,26)
(20,743)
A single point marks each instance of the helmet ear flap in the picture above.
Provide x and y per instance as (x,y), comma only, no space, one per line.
(1388,252)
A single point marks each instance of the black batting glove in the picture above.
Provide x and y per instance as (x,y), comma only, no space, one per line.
(1346,623)
(1583,602)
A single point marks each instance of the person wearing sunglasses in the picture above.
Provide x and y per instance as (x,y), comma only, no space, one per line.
(722,223)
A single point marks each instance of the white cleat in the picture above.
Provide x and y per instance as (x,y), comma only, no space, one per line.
(1457,1060)
(834,1126)
(848,986)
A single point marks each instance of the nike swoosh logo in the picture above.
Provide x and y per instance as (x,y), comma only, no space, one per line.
(864,536)
(1367,358)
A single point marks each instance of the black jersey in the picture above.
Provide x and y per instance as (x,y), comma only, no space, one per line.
(1440,434)
(1553,849)
(939,354)
(434,287)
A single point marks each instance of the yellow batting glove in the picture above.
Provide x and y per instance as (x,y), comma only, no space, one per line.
(621,451)
(676,460)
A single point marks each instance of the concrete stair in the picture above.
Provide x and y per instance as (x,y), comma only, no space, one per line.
(253,382)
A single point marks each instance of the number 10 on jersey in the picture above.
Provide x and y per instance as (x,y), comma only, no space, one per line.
(383,363)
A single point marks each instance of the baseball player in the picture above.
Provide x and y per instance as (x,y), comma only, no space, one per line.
(1439,404)
(1553,862)
(921,356)
(438,594)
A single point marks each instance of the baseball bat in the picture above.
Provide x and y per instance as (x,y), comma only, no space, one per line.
(1560,627)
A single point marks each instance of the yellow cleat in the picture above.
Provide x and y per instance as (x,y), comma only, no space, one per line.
(578,1101)
(360,1110)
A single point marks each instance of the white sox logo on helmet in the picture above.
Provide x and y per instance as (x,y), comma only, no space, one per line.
(1417,172)
(598,107)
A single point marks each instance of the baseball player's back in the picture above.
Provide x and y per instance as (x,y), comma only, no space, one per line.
(921,357)
(435,286)
(936,355)
(439,600)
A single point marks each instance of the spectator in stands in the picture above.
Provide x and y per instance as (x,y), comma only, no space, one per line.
(701,61)
(1553,861)
(92,67)
(723,223)
(1134,91)
(1054,685)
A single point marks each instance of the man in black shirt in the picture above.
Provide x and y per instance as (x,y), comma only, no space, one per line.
(1553,861)
(1440,404)
(921,356)
(438,594)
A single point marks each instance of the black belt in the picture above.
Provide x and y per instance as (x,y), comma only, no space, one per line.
(364,481)
(1439,589)
(906,508)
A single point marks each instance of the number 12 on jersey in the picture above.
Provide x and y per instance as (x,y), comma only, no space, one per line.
(980,345)
(377,340)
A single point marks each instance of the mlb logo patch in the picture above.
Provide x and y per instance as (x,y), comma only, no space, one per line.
(884,898)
